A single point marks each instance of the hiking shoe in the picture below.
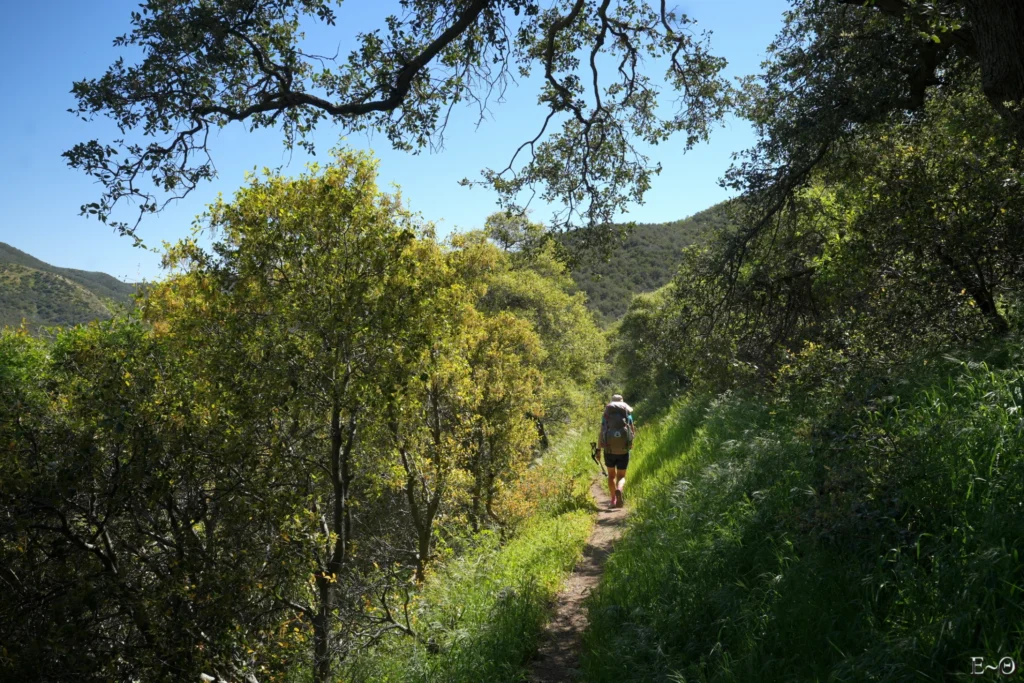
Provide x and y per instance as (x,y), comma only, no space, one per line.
(620,499)
(615,501)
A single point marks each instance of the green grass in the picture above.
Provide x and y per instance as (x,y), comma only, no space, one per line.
(479,616)
(868,540)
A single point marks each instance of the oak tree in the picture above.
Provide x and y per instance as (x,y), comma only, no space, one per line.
(603,69)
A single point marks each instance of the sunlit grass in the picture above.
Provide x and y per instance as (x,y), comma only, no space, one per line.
(480,616)
(877,541)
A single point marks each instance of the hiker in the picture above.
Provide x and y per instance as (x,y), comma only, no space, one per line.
(616,439)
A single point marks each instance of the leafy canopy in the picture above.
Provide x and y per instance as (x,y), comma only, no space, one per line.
(206,65)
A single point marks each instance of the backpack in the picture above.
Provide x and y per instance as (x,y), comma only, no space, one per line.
(618,433)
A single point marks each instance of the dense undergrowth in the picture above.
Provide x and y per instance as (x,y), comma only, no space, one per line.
(873,535)
(479,616)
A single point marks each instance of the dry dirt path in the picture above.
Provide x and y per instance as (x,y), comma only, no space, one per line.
(559,652)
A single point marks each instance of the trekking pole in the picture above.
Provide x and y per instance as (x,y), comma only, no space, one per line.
(593,456)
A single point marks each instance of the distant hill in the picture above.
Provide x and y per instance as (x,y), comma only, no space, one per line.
(647,260)
(41,294)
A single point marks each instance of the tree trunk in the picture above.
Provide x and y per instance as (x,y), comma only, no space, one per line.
(423,508)
(978,287)
(422,514)
(434,497)
(998,30)
(987,305)
(422,517)
(477,493)
(322,631)
(327,581)
(542,433)
(422,553)
(491,489)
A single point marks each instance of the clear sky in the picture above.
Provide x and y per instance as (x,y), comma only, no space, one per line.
(45,46)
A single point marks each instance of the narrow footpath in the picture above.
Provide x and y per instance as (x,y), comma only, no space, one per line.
(559,652)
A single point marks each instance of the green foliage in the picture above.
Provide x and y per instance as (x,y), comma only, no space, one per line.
(533,284)
(482,614)
(846,509)
(646,260)
(479,617)
(820,89)
(130,544)
(874,536)
(405,75)
(202,66)
(932,209)
(351,340)
(315,413)
(643,347)
(905,240)
(41,295)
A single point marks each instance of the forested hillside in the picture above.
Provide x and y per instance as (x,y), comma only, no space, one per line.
(40,294)
(646,260)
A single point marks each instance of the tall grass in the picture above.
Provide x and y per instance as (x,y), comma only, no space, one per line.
(479,617)
(785,541)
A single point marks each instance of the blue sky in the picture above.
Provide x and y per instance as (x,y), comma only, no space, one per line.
(48,45)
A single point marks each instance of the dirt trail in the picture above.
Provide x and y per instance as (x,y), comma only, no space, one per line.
(559,652)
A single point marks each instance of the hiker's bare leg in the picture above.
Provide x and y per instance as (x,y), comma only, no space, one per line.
(611,483)
(620,479)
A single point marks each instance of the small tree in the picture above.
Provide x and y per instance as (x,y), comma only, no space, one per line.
(309,292)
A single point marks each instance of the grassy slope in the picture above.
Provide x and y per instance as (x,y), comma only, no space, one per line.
(484,611)
(42,294)
(868,540)
(648,259)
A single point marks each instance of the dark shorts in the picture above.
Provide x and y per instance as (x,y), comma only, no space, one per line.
(619,462)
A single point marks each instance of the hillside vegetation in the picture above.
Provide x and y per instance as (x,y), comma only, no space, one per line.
(331,447)
(479,618)
(834,493)
(41,295)
(647,259)
(875,536)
